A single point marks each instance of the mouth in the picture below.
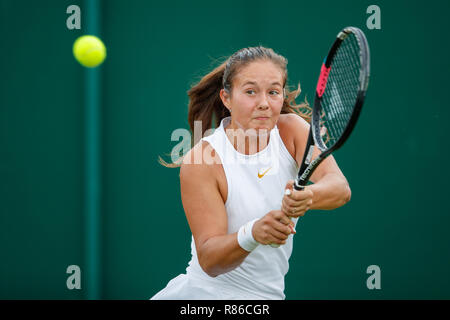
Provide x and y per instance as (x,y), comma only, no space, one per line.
(262,118)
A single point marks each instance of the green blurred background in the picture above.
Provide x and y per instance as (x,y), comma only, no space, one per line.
(397,218)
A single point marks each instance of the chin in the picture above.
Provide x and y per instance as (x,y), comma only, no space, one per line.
(263,129)
(258,127)
(264,124)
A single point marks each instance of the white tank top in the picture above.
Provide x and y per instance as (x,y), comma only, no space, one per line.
(255,186)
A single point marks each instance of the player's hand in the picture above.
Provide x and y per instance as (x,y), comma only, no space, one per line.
(295,203)
(274,227)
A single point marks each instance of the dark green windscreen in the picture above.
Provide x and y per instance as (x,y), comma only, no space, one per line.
(394,160)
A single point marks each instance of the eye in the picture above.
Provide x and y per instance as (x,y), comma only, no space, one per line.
(250,91)
(274,92)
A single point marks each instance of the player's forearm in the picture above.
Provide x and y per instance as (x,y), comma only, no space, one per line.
(330,192)
(221,254)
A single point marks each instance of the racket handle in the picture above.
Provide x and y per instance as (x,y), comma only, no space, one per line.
(298,185)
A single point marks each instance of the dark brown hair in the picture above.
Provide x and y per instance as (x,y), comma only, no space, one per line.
(205,104)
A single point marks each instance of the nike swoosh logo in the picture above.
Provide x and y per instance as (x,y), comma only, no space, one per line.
(263,174)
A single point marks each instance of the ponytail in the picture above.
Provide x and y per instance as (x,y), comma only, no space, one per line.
(204,101)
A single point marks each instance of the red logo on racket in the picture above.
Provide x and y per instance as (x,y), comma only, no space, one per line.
(323,78)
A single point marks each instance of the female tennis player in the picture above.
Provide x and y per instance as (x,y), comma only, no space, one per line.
(237,183)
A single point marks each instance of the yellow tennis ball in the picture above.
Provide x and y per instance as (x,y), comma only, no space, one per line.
(89,51)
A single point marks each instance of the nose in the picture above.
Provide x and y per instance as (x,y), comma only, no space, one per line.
(263,104)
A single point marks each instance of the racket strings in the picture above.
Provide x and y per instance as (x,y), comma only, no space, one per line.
(340,95)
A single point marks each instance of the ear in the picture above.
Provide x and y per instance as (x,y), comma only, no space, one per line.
(225,97)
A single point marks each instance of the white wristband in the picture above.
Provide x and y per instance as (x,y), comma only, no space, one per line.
(245,236)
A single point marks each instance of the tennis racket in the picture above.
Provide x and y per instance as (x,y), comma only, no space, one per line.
(340,94)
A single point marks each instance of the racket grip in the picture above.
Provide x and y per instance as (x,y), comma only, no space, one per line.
(298,185)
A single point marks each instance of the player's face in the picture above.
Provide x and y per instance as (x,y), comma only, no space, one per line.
(257,96)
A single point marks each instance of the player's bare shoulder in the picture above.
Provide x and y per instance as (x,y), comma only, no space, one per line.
(202,167)
(293,131)
(201,158)
(292,122)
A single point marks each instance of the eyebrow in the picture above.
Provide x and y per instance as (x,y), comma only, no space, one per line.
(254,83)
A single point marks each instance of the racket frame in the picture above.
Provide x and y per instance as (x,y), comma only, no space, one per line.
(314,137)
